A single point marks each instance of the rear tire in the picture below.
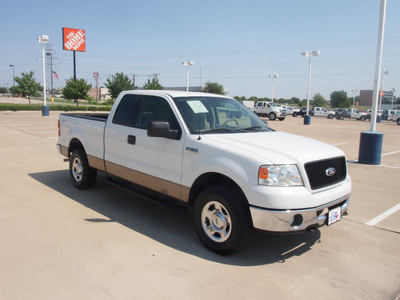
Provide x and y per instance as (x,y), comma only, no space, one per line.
(82,175)
(222,219)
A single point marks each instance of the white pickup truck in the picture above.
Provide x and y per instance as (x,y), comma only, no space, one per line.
(270,109)
(212,152)
(322,112)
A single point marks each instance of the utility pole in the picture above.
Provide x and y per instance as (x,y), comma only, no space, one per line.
(134,78)
(96,78)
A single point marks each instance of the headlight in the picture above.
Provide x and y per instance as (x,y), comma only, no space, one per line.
(279,175)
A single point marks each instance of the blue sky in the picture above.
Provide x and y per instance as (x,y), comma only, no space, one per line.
(235,43)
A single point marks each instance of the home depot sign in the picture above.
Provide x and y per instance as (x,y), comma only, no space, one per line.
(74,39)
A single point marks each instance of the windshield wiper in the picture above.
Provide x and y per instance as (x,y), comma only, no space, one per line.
(221,129)
(252,128)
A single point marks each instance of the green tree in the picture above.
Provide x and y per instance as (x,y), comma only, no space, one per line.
(295,100)
(26,86)
(340,99)
(303,103)
(319,100)
(214,88)
(119,83)
(154,84)
(253,98)
(3,90)
(76,90)
(280,100)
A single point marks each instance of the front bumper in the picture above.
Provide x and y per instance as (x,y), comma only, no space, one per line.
(283,221)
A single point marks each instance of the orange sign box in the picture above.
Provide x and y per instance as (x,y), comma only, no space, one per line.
(74,39)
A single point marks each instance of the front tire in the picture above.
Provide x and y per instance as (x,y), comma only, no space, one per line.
(82,175)
(272,116)
(222,219)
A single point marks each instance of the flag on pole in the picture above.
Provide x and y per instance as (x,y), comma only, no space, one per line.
(55,75)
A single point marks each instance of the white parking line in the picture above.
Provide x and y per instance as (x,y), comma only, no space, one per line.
(390,153)
(383,216)
(392,167)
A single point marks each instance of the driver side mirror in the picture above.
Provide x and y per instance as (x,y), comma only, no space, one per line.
(162,129)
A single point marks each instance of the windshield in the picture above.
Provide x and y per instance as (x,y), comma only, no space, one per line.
(218,115)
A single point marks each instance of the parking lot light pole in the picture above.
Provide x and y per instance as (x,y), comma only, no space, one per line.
(273,76)
(51,72)
(13,77)
(43,39)
(354,98)
(370,151)
(393,91)
(309,54)
(383,72)
(187,64)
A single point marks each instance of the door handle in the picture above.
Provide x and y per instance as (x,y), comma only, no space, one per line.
(131,139)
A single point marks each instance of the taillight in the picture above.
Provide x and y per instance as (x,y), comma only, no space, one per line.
(59,132)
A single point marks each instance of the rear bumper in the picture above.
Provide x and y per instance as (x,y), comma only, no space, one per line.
(284,221)
(62,150)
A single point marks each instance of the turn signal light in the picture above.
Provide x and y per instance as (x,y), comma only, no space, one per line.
(263,173)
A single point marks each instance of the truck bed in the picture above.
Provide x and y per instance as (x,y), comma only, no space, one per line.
(91,116)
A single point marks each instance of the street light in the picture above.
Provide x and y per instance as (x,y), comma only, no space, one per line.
(309,54)
(393,91)
(273,76)
(51,73)
(187,64)
(354,98)
(43,39)
(370,151)
(383,72)
(13,77)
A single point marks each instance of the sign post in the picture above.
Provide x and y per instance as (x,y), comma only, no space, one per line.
(74,40)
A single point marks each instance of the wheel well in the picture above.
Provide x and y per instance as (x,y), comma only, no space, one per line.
(75,144)
(211,179)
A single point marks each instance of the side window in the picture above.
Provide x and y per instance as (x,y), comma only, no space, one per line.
(156,109)
(127,110)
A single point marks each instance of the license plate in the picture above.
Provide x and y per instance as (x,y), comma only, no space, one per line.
(334,215)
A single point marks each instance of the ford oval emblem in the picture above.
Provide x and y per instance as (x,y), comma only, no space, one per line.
(330,172)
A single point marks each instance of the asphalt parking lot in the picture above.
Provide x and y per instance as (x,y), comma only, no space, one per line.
(58,242)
